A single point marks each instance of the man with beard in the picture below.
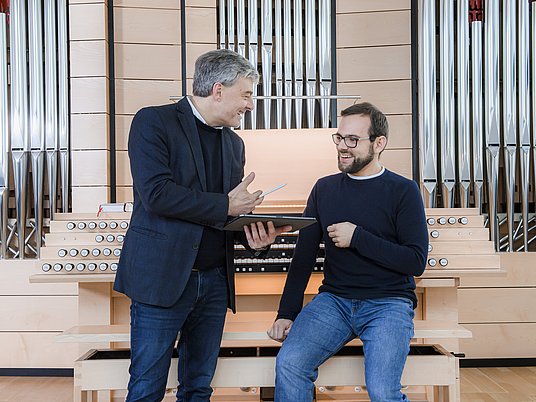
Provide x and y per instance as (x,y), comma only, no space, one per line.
(373,225)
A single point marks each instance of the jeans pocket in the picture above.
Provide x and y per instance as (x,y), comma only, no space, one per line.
(222,272)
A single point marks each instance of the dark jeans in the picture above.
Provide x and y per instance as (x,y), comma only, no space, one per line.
(199,316)
(326,324)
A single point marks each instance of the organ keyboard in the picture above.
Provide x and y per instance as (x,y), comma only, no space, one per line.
(82,244)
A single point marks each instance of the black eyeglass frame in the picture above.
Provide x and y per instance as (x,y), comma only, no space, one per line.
(351,138)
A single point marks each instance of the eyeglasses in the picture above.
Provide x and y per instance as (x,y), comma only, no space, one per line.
(350,141)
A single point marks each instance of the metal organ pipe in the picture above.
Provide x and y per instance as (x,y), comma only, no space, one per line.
(51,102)
(267,47)
(427,102)
(524,112)
(63,102)
(477,121)
(464,135)
(4,139)
(492,110)
(20,141)
(37,114)
(446,80)
(509,111)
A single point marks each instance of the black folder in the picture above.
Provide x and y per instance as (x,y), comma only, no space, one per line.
(297,222)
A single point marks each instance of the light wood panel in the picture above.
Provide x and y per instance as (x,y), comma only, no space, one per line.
(352,6)
(89,131)
(459,234)
(36,350)
(399,161)
(520,272)
(454,247)
(193,51)
(464,261)
(87,21)
(88,199)
(374,63)
(124,194)
(497,305)
(132,95)
(124,177)
(201,3)
(301,170)
(272,156)
(399,131)
(374,29)
(89,58)
(171,4)
(14,281)
(122,128)
(146,25)
(500,341)
(98,174)
(201,25)
(38,313)
(391,97)
(135,61)
(89,95)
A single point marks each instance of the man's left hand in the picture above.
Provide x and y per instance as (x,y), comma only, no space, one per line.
(257,236)
(341,233)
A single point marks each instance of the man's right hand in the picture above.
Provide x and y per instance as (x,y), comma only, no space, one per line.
(280,329)
(241,201)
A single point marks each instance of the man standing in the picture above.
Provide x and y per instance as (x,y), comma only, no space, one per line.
(374,228)
(177,263)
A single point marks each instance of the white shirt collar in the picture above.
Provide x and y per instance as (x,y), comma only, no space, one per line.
(198,115)
(366,177)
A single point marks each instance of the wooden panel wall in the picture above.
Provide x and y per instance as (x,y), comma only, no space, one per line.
(31,315)
(88,27)
(500,311)
(147,69)
(374,61)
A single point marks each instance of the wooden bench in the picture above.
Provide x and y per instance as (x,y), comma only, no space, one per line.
(253,360)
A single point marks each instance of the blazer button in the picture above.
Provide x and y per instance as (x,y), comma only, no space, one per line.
(195,246)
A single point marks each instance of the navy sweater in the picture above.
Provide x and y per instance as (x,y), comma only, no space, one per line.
(388,248)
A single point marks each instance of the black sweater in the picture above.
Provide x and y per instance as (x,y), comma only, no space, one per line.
(388,247)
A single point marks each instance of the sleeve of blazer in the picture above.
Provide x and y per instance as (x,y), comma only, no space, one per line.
(153,179)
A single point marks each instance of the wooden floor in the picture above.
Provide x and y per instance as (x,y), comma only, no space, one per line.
(516,384)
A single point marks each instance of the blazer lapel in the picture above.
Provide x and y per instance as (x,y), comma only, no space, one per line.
(187,120)
(226,155)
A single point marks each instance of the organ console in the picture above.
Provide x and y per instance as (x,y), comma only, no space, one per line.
(86,250)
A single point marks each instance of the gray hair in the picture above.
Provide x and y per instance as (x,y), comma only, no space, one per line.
(222,65)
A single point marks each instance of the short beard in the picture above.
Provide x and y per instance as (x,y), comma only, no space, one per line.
(358,163)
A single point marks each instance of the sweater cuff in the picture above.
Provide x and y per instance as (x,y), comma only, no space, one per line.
(286,316)
(355,237)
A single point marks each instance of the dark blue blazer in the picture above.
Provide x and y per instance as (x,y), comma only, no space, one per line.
(171,204)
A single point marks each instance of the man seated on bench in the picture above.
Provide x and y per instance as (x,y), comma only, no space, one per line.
(376,241)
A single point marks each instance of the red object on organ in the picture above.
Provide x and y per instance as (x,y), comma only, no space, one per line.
(476,10)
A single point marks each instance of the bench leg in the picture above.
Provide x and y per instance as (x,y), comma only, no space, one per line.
(79,395)
(454,392)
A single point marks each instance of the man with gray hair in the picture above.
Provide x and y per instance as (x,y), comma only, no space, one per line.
(176,265)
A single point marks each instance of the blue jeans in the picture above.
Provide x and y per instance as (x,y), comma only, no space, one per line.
(199,315)
(326,324)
